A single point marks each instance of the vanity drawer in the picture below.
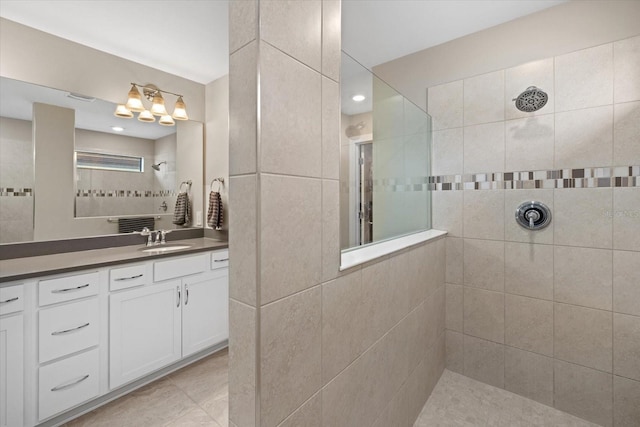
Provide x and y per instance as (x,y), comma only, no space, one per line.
(67,288)
(68,328)
(179,267)
(11,299)
(67,383)
(220,259)
(128,277)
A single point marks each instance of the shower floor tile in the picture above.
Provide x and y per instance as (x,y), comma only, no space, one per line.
(461,401)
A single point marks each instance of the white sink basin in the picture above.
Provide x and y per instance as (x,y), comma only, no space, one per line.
(164,248)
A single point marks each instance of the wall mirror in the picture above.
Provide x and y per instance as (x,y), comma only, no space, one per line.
(116,174)
(384,161)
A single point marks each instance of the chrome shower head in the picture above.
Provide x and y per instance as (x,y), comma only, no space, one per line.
(157,166)
(531,100)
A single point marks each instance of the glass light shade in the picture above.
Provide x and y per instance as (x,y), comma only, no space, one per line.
(180,110)
(157,109)
(134,101)
(122,111)
(166,120)
(146,116)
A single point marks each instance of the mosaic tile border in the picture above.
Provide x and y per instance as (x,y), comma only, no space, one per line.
(15,192)
(619,176)
(125,193)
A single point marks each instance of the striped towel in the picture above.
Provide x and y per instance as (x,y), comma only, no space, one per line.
(182,212)
(214,214)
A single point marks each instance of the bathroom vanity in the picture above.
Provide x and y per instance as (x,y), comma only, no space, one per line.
(83,328)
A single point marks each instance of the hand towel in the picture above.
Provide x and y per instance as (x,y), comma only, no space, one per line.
(182,211)
(214,213)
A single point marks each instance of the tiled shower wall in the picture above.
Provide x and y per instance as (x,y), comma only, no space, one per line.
(309,345)
(553,315)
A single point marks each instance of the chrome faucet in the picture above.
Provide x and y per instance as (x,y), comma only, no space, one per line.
(146,232)
(163,234)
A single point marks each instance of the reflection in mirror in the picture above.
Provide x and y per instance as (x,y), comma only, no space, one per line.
(120,167)
(384,160)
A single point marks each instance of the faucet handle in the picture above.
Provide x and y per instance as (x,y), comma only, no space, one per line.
(163,233)
(145,231)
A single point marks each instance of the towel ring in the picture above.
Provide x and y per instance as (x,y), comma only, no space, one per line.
(187,183)
(220,182)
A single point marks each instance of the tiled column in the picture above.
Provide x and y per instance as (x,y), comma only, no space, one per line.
(284,149)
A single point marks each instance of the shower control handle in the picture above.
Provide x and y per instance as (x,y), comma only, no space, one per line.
(533,215)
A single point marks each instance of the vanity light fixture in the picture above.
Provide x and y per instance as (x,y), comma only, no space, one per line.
(153,94)
(358,98)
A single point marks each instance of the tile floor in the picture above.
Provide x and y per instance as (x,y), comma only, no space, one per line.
(197,395)
(460,401)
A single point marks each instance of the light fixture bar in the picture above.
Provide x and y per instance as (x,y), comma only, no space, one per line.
(153,88)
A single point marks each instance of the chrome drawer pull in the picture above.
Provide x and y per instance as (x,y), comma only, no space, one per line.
(120,279)
(71,384)
(10,300)
(179,298)
(59,291)
(186,291)
(221,260)
(70,330)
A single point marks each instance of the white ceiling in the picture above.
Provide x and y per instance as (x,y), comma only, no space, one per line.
(190,37)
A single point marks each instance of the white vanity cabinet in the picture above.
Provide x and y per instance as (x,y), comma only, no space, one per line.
(11,356)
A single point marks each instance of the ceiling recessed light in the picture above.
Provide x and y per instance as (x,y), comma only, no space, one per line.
(117,128)
(358,98)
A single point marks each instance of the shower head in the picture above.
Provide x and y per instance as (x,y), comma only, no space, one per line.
(531,100)
(157,166)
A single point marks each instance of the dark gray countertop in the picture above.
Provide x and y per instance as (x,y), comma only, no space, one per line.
(25,268)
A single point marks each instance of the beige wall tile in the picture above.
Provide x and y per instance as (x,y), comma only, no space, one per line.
(583,276)
(242,363)
(518,79)
(290,359)
(396,413)
(289,89)
(446,149)
(484,98)
(243,98)
(446,211)
(514,232)
(626,346)
(483,216)
(385,295)
(484,314)
(529,143)
(415,332)
(626,63)
(529,324)
(626,128)
(445,105)
(242,23)
(295,28)
(583,336)
(626,395)
(484,264)
(588,68)
(454,352)
(580,217)
(626,218)
(626,277)
(308,415)
(435,322)
(484,361)
(344,322)
(302,199)
(584,138)
(331,38)
(583,392)
(454,307)
(330,128)
(484,147)
(417,391)
(242,250)
(330,229)
(454,260)
(529,270)
(529,375)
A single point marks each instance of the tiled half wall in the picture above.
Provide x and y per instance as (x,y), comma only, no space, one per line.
(553,315)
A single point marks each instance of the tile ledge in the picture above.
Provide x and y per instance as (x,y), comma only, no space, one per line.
(352,257)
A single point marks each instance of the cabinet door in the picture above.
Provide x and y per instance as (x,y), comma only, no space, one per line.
(11,371)
(205,314)
(145,331)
